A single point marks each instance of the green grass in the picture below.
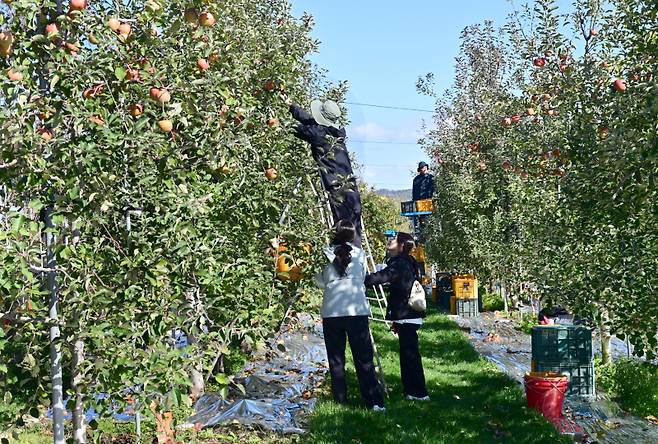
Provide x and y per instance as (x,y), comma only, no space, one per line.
(472,401)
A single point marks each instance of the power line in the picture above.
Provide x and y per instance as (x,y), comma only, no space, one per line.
(387,142)
(401,108)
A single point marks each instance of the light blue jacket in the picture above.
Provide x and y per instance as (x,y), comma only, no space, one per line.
(344,296)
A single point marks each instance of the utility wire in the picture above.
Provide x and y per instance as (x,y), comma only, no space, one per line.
(391,107)
(387,142)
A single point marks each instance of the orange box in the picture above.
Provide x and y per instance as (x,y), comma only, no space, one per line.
(424,205)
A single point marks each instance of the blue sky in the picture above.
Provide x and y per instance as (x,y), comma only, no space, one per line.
(380,48)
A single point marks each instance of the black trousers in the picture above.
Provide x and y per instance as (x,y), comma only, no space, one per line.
(411,366)
(346,204)
(354,328)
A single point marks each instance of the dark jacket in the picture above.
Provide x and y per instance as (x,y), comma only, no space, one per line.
(423,187)
(400,273)
(328,150)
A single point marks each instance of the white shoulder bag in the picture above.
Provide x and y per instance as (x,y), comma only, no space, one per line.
(417,297)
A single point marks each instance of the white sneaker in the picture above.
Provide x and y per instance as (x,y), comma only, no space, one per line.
(377,408)
(415,398)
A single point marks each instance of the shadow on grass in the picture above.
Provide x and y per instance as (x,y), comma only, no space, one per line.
(472,402)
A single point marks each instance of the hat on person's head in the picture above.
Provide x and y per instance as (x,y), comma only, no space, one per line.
(326,113)
(421,165)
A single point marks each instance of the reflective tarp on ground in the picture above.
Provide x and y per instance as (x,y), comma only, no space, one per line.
(602,420)
(279,383)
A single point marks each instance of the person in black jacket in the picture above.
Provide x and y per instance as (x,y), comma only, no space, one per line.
(400,273)
(321,130)
(423,185)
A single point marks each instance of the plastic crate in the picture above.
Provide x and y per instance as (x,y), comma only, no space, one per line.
(562,343)
(581,377)
(408,207)
(424,205)
(467,308)
(444,299)
(465,286)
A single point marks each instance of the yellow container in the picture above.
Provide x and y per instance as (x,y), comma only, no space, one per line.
(424,205)
(453,305)
(418,253)
(465,286)
(288,269)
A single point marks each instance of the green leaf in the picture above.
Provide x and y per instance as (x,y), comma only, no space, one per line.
(120,73)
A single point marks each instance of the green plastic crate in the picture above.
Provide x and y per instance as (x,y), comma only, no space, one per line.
(562,344)
(581,377)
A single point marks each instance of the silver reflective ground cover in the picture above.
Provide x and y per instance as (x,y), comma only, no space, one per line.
(279,383)
(601,419)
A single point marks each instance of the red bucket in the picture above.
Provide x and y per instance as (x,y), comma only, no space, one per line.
(545,392)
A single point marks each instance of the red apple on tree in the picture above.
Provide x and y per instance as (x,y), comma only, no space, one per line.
(77,5)
(154,92)
(506,121)
(206,19)
(114,24)
(619,85)
(603,132)
(203,64)
(160,95)
(272,122)
(593,31)
(6,42)
(136,109)
(14,76)
(271,173)
(125,29)
(530,111)
(539,62)
(52,30)
(269,86)
(165,125)
(516,118)
(507,165)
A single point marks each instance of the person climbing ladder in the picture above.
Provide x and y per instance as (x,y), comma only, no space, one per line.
(320,128)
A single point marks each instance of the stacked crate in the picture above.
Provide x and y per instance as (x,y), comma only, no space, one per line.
(465,300)
(565,349)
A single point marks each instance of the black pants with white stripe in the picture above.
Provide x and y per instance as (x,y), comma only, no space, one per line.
(355,329)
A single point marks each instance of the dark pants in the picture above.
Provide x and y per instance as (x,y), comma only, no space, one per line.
(354,328)
(411,366)
(346,204)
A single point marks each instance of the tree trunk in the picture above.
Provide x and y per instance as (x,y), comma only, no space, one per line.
(503,294)
(605,336)
(57,398)
(196,373)
(79,425)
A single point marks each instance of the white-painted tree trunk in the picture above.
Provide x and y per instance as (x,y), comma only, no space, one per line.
(606,338)
(79,423)
(57,398)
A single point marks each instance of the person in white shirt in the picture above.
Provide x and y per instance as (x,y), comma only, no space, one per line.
(345,312)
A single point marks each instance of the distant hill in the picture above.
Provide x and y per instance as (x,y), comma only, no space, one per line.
(396,195)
